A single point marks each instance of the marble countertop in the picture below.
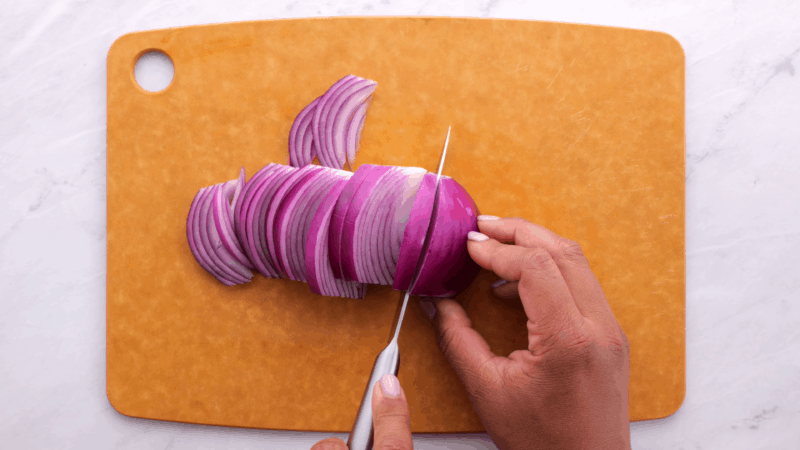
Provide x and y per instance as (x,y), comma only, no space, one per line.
(742,225)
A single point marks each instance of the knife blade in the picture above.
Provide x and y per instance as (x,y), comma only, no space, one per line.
(388,361)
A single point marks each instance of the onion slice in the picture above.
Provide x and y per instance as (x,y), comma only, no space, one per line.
(301,138)
(257,198)
(419,219)
(321,279)
(223,219)
(330,126)
(299,176)
(294,215)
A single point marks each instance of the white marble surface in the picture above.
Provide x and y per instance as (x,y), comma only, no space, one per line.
(743,215)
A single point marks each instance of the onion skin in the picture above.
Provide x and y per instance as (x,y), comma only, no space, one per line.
(447,269)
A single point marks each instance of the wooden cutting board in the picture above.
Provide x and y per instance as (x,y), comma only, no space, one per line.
(578,128)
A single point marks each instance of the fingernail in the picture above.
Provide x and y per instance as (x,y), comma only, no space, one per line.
(488,218)
(499,283)
(390,386)
(476,236)
(428,307)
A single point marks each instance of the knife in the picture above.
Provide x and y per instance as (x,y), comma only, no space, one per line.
(388,361)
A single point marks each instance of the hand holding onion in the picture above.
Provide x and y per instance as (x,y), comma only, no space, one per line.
(569,389)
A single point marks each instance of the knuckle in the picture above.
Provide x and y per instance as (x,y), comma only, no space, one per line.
(536,259)
(571,249)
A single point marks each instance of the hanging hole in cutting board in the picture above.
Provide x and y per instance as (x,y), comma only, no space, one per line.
(154,71)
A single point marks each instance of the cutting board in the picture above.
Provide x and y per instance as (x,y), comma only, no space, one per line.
(577,128)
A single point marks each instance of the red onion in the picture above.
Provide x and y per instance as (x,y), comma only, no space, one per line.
(223,219)
(210,232)
(419,218)
(447,269)
(294,215)
(330,126)
(299,176)
(321,279)
(301,140)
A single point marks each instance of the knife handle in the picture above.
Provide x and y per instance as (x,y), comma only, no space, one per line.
(362,434)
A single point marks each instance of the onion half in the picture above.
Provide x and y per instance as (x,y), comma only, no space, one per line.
(447,269)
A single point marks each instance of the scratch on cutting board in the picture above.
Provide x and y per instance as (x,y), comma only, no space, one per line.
(554,79)
(581,136)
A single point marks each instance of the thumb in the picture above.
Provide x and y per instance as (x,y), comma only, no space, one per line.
(464,348)
(390,416)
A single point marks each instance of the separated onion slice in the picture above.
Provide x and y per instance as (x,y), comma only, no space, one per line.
(330,126)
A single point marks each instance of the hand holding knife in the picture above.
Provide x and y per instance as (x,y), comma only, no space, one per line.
(388,361)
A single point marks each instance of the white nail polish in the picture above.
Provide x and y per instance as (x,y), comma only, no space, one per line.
(390,386)
(476,236)
(488,217)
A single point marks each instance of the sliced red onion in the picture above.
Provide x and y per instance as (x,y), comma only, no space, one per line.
(318,121)
(243,202)
(447,269)
(195,242)
(340,118)
(373,247)
(419,219)
(321,279)
(350,202)
(366,251)
(330,126)
(253,215)
(301,142)
(222,214)
(294,214)
(339,112)
(299,176)
(343,203)
(225,265)
(353,138)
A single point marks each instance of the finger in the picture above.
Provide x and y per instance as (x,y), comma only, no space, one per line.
(464,348)
(575,268)
(390,415)
(543,292)
(330,444)
(506,289)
